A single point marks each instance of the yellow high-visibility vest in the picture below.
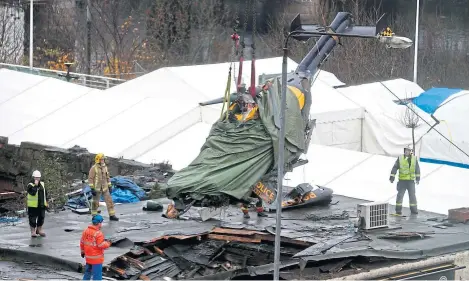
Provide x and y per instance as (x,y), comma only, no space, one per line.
(33,200)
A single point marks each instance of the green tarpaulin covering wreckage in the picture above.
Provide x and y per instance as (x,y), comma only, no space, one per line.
(237,155)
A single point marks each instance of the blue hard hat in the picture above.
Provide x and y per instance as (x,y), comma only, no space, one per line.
(97,219)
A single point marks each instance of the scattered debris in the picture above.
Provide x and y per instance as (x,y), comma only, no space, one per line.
(335,267)
(406,235)
(153,206)
(458,215)
(123,191)
(9,219)
(131,228)
(343,216)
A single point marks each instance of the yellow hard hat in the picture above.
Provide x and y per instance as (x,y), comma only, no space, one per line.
(98,157)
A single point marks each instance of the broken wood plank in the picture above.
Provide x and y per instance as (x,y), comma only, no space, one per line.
(234,238)
(159,251)
(133,261)
(235,231)
(119,271)
(271,238)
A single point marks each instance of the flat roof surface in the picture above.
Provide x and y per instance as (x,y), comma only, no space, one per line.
(331,236)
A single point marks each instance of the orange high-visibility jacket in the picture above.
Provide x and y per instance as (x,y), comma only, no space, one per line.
(92,244)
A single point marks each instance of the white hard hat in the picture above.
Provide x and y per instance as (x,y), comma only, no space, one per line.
(36,174)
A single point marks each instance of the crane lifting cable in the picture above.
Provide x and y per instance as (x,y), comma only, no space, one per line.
(243,45)
(252,89)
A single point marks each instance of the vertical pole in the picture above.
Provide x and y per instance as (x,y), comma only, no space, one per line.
(280,164)
(361,133)
(88,38)
(31,22)
(416,41)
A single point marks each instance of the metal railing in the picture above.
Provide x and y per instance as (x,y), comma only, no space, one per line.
(92,81)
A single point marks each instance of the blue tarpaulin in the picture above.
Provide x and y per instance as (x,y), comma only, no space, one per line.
(123,191)
(127,184)
(9,219)
(430,100)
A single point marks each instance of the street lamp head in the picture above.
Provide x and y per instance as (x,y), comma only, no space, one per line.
(395,42)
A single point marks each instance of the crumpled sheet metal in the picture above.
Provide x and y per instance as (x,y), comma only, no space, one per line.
(390,251)
(267,268)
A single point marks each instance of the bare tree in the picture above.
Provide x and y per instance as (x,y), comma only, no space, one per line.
(11,34)
(189,32)
(409,119)
(118,35)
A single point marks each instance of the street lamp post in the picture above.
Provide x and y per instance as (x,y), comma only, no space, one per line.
(416,45)
(390,42)
(88,37)
(31,15)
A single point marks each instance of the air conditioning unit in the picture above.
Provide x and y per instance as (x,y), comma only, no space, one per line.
(373,215)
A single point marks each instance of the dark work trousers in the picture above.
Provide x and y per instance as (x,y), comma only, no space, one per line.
(402,187)
(259,208)
(36,216)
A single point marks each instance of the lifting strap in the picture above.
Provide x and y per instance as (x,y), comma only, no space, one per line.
(226,100)
(235,38)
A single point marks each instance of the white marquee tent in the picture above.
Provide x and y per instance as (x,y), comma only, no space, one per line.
(133,119)
(383,132)
(26,99)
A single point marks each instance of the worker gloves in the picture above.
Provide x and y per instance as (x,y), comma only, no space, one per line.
(93,192)
(83,255)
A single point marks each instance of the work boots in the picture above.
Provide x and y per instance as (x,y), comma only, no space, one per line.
(33,232)
(113,218)
(260,212)
(40,232)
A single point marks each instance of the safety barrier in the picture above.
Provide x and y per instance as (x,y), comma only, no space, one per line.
(92,81)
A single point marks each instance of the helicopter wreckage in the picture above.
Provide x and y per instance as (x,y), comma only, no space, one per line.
(238,162)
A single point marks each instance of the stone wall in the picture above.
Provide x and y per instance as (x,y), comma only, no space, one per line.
(18,162)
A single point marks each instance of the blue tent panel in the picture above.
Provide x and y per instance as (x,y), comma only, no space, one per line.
(430,100)
(444,162)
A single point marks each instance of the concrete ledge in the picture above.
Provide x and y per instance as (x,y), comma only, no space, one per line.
(41,259)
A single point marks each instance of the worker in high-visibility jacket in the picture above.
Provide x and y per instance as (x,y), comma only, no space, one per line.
(409,174)
(100,183)
(92,246)
(37,204)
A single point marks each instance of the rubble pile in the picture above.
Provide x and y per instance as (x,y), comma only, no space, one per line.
(222,252)
(153,179)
